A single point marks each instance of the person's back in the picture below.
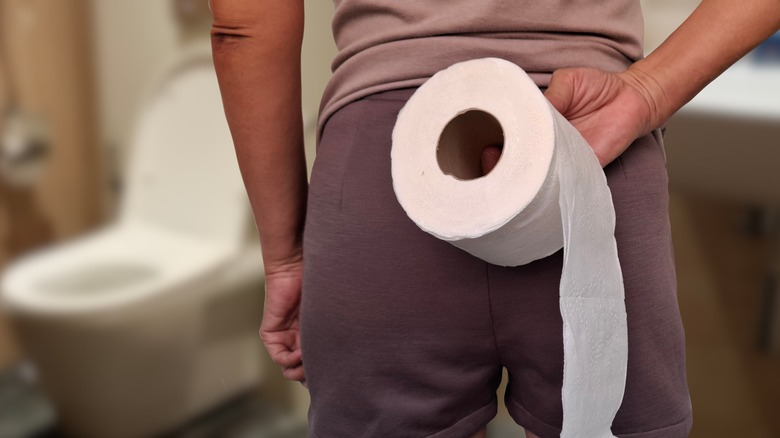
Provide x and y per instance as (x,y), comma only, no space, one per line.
(402,334)
(390,44)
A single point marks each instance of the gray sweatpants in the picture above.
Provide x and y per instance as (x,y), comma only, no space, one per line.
(405,335)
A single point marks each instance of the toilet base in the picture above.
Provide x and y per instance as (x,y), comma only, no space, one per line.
(144,370)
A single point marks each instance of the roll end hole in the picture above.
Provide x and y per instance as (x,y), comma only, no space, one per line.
(470,145)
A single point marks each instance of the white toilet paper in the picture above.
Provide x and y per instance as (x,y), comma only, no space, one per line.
(547,191)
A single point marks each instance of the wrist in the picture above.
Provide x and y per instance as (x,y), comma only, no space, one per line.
(278,261)
(653,94)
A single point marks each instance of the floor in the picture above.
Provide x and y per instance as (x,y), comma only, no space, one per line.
(26,413)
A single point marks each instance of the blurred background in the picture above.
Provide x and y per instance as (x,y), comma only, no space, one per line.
(132,281)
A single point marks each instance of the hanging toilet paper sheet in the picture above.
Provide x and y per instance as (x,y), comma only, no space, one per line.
(547,191)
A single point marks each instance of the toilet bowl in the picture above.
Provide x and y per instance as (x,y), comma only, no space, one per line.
(153,319)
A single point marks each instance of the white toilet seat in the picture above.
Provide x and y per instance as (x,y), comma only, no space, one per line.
(151,261)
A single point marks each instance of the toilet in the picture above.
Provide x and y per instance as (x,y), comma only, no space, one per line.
(143,324)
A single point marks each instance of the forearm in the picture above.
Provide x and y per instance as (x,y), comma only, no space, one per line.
(256,46)
(716,35)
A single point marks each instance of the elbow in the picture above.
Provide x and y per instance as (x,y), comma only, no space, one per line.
(268,22)
(233,22)
(224,34)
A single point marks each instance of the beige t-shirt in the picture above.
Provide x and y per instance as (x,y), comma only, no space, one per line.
(391,44)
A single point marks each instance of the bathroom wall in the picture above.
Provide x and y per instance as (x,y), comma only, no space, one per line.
(662,17)
(318,51)
(49,61)
(132,39)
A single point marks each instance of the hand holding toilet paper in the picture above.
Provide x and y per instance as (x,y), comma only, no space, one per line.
(546,192)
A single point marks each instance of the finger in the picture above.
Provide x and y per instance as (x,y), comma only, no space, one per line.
(560,91)
(283,356)
(287,359)
(280,339)
(295,374)
(490,157)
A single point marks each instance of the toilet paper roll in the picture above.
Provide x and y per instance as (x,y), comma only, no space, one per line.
(547,191)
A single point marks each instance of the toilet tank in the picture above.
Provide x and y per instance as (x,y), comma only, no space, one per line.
(183,175)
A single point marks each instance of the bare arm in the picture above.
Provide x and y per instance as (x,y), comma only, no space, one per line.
(257,49)
(716,35)
(612,110)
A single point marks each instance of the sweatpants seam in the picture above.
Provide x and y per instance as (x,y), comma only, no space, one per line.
(384,99)
(490,312)
(348,159)
(622,168)
(525,411)
(676,425)
(390,95)
(447,430)
(473,414)
(622,435)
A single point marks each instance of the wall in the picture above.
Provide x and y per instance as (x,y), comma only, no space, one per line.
(132,39)
(50,62)
(662,17)
(318,51)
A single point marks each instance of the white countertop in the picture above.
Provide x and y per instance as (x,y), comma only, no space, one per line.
(746,90)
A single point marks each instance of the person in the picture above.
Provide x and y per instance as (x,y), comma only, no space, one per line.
(394,332)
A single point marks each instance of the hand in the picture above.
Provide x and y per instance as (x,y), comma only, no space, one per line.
(280,329)
(610,110)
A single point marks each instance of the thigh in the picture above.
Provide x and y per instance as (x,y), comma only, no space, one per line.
(529,328)
(396,331)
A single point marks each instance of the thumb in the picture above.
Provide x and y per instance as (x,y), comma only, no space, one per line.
(560,91)
(490,156)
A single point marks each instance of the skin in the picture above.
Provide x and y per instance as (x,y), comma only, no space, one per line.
(257,47)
